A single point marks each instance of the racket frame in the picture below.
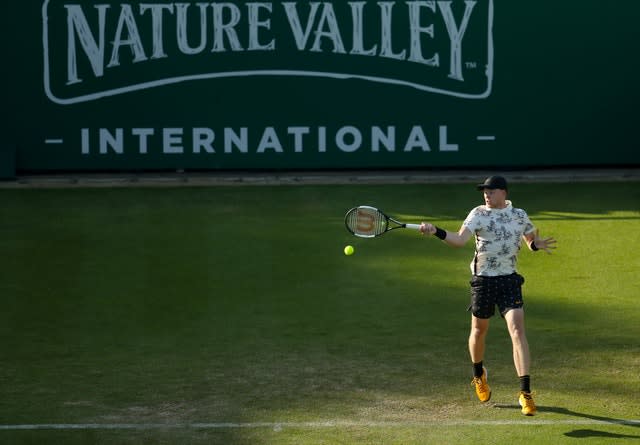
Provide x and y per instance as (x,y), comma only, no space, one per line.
(377,222)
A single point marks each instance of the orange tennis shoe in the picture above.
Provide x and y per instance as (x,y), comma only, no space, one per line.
(483,391)
(527,403)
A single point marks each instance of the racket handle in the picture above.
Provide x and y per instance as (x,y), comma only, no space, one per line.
(413,226)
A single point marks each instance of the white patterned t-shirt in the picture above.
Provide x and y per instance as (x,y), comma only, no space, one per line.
(498,235)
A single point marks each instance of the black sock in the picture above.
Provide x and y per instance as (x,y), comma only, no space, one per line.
(525,383)
(477,369)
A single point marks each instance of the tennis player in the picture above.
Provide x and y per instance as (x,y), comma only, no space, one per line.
(498,228)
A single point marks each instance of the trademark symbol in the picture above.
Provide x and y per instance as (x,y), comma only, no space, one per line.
(471,65)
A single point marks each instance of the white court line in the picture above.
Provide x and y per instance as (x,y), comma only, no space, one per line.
(305,425)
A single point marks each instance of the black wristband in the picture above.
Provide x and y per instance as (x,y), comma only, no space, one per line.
(533,246)
(442,234)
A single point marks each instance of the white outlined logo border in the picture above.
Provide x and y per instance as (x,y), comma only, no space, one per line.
(284,72)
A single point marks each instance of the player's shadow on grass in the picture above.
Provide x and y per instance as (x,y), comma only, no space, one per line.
(585,433)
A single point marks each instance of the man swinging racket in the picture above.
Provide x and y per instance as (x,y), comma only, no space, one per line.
(498,228)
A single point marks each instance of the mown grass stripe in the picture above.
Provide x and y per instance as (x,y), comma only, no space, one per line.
(306,425)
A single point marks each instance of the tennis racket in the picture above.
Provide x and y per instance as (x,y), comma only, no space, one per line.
(369,222)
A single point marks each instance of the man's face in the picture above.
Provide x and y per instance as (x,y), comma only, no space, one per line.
(495,198)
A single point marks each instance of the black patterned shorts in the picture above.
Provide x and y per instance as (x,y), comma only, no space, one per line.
(488,292)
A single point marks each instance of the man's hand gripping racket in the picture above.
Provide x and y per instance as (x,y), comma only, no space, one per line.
(369,222)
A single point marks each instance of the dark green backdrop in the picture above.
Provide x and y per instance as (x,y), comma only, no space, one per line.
(546,83)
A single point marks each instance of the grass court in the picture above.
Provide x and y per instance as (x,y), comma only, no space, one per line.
(230,315)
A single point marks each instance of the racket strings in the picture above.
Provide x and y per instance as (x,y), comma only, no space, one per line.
(380,224)
(366,222)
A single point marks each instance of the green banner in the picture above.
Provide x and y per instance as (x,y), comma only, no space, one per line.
(104,85)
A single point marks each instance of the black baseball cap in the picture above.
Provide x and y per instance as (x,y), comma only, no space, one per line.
(493,182)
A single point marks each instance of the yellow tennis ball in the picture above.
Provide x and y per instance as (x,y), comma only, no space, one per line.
(348,250)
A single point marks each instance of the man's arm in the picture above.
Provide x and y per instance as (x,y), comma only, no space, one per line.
(453,239)
(534,242)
